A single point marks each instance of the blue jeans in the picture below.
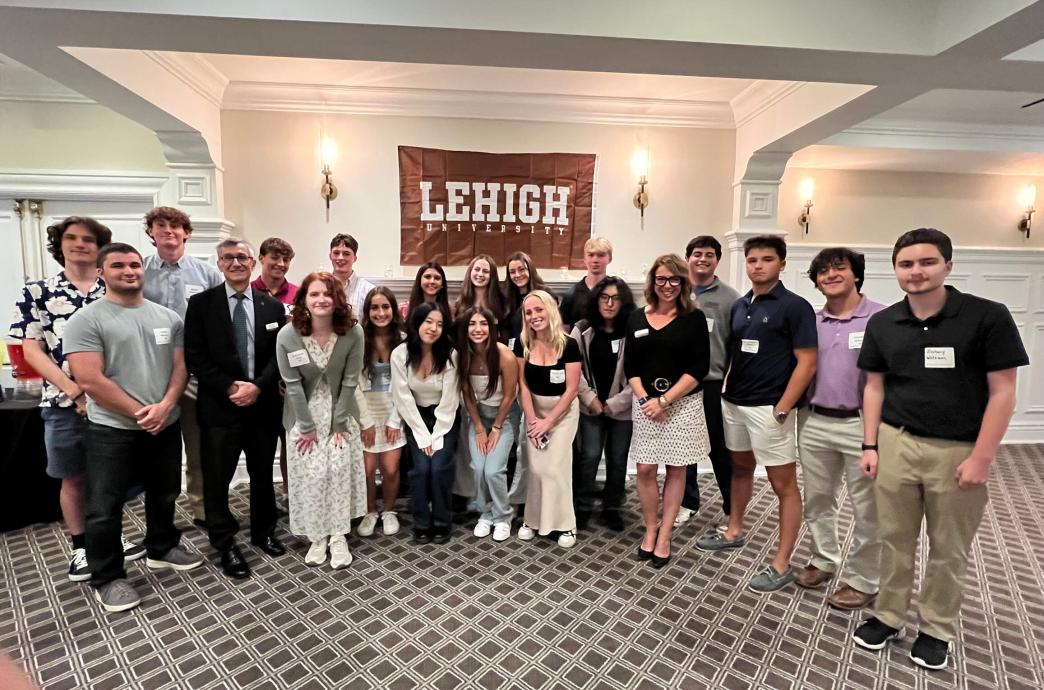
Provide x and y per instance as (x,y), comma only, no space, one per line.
(491,489)
(115,457)
(431,480)
(598,433)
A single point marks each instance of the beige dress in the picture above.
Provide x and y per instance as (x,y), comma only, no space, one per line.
(549,494)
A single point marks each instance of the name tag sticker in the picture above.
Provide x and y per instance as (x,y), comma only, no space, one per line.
(615,344)
(939,358)
(855,340)
(557,376)
(271,326)
(297,357)
(710,325)
(192,290)
(511,343)
(162,336)
(750,346)
(641,333)
(289,308)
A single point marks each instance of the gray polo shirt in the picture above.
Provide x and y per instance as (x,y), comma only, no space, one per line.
(715,300)
(171,284)
(137,346)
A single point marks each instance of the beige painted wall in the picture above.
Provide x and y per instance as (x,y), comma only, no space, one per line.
(864,207)
(272,180)
(74,136)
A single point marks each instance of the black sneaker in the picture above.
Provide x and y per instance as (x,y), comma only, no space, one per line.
(78,570)
(930,652)
(613,520)
(131,551)
(873,634)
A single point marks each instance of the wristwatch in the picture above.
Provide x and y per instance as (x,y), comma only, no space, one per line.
(780,415)
(870,446)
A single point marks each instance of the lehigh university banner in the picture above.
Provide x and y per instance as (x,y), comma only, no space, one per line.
(456,204)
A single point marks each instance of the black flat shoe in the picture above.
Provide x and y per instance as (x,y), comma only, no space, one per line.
(233,564)
(269,545)
(658,561)
(644,555)
(440,537)
(421,538)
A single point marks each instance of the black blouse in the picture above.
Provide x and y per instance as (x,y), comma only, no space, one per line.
(542,380)
(660,357)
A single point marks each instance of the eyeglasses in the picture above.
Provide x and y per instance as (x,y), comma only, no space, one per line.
(241,258)
(673,281)
(608,299)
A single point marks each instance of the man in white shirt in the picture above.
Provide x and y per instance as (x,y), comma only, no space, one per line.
(344,251)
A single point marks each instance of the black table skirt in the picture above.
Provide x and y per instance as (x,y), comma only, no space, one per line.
(27,494)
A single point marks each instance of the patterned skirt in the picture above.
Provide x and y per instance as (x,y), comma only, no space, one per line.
(678,438)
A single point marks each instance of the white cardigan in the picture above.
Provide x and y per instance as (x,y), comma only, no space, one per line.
(410,392)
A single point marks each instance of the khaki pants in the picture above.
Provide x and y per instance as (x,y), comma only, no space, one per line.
(193,462)
(830,451)
(916,479)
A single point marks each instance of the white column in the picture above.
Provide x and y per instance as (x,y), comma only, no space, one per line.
(755,211)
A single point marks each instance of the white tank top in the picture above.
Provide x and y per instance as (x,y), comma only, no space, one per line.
(478,385)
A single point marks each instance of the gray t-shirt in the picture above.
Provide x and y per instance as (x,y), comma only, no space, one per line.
(716,303)
(137,344)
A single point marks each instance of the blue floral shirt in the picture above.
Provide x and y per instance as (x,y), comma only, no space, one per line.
(42,313)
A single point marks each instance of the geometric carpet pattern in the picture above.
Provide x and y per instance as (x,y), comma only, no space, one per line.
(478,614)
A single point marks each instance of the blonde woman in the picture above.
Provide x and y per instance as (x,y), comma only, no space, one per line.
(549,362)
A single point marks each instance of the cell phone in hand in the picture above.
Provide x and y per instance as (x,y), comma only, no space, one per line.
(542,442)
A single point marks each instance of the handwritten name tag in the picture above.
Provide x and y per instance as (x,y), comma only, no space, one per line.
(751,347)
(557,376)
(162,335)
(615,344)
(641,333)
(271,326)
(297,357)
(855,340)
(939,358)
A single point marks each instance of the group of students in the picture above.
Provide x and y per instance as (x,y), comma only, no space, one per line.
(508,396)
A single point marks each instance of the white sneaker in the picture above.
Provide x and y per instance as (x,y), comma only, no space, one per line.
(684,515)
(567,540)
(525,532)
(482,528)
(501,531)
(366,525)
(340,556)
(316,552)
(389,523)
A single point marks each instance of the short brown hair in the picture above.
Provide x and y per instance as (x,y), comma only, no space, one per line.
(276,245)
(102,235)
(677,267)
(171,215)
(347,240)
(342,311)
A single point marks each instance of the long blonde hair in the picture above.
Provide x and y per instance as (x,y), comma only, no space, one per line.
(557,337)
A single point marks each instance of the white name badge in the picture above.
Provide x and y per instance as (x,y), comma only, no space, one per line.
(710,325)
(297,357)
(271,326)
(641,333)
(288,308)
(192,290)
(855,340)
(615,344)
(511,344)
(162,335)
(939,358)
(750,346)
(557,376)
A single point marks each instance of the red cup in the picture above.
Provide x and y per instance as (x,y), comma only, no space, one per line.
(19,367)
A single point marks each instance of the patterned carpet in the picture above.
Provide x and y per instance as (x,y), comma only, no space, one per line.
(476,614)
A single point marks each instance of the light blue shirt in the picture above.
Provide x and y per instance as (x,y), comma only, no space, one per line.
(171,284)
(248,305)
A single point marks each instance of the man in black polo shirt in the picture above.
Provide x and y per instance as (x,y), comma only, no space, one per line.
(774,348)
(940,392)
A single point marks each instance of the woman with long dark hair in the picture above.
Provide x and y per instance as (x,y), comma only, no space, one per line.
(480,288)
(430,286)
(487,381)
(320,354)
(521,279)
(605,401)
(667,356)
(424,392)
(381,434)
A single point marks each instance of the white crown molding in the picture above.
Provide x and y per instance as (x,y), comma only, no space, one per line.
(918,134)
(759,97)
(195,71)
(410,102)
(76,184)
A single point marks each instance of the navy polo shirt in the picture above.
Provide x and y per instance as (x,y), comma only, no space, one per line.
(935,370)
(765,332)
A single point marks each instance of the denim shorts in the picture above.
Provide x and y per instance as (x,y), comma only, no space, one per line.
(65,440)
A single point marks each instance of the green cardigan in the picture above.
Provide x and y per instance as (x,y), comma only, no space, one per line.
(342,376)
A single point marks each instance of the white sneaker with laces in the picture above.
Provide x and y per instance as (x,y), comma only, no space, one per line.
(567,540)
(366,525)
(501,531)
(526,533)
(482,528)
(684,515)
(389,523)
(340,556)
(316,552)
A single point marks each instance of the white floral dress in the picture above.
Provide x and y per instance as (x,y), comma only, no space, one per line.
(327,484)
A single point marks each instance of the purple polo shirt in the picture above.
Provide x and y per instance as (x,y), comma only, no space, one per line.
(285,294)
(839,380)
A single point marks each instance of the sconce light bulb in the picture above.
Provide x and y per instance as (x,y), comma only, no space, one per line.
(806,190)
(640,163)
(329,153)
(1028,197)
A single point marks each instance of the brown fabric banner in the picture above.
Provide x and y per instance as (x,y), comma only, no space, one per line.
(457,204)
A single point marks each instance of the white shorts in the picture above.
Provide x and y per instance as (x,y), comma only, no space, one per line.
(755,429)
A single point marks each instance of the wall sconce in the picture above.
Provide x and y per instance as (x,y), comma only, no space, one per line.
(1027,199)
(806,190)
(328,191)
(640,168)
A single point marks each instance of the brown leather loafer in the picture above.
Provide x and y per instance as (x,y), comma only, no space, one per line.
(811,577)
(849,599)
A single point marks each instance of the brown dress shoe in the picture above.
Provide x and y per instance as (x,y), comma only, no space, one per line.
(811,577)
(849,599)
